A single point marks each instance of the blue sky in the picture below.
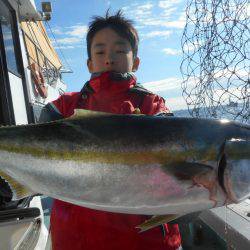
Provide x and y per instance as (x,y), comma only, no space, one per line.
(159,23)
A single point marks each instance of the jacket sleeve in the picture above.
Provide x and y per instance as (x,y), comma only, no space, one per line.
(154,105)
(52,111)
(63,106)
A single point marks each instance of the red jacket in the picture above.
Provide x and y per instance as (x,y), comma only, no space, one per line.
(75,227)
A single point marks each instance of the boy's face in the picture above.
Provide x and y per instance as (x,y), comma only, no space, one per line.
(111,52)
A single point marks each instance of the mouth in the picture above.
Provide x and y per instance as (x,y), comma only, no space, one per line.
(112,70)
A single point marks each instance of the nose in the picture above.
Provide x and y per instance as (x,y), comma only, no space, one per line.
(237,174)
(109,59)
(109,62)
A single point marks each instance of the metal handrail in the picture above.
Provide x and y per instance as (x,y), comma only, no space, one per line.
(51,73)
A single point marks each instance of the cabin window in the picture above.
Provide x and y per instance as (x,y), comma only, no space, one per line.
(6,21)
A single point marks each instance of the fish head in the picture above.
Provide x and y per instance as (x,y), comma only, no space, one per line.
(234,169)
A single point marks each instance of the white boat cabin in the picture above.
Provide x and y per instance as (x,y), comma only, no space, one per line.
(30,77)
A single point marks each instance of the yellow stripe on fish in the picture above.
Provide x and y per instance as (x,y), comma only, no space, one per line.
(118,157)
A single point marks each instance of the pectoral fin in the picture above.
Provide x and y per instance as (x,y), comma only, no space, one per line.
(12,189)
(155,221)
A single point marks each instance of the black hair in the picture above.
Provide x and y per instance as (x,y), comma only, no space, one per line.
(122,26)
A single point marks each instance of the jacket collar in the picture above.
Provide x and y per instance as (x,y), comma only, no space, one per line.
(114,75)
(107,80)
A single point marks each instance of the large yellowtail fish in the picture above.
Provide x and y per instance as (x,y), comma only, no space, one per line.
(129,163)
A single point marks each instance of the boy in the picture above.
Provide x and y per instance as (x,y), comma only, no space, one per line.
(112,44)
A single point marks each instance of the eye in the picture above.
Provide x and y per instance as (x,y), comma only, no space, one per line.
(99,52)
(121,51)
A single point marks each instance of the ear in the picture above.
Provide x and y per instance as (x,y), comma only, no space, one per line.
(90,65)
(136,64)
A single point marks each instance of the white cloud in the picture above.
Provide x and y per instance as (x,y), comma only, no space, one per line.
(138,12)
(77,31)
(189,47)
(172,52)
(162,87)
(65,47)
(166,87)
(172,83)
(176,103)
(168,7)
(70,37)
(228,73)
(219,88)
(162,22)
(69,40)
(169,14)
(57,31)
(153,34)
(179,24)
(220,97)
(168,3)
(147,6)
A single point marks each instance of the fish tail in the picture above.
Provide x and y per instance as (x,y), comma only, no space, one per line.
(11,188)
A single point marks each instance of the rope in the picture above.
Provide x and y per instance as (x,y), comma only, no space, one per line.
(58,45)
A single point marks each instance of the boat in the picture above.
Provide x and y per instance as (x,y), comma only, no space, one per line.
(30,77)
